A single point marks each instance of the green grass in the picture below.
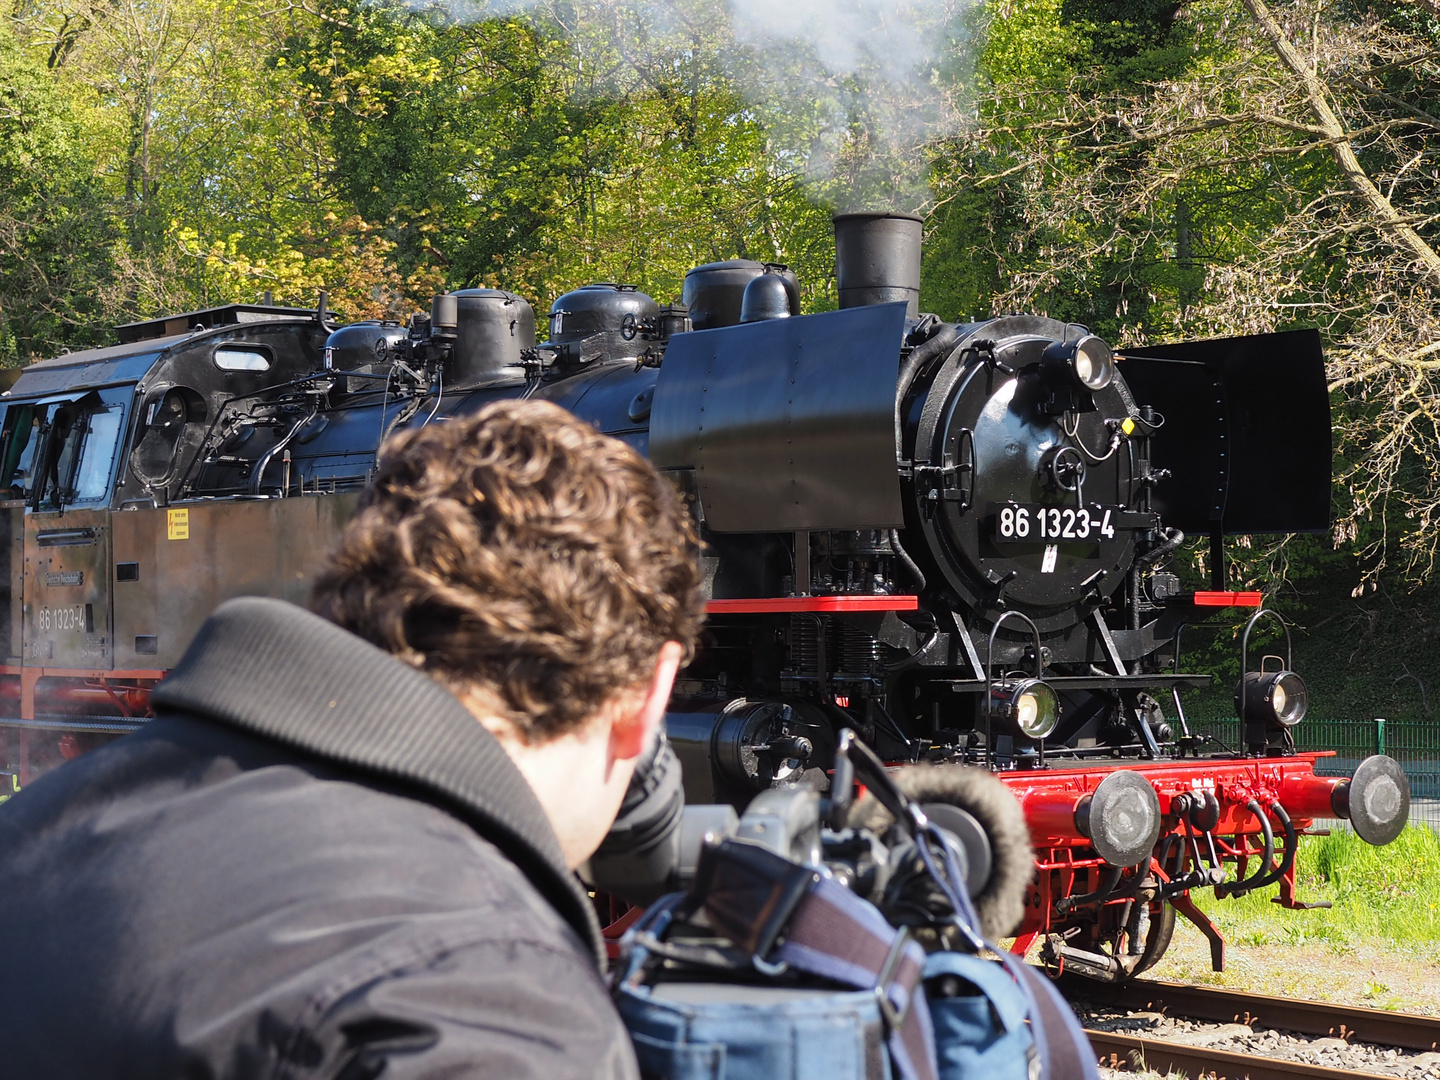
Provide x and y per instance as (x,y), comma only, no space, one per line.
(1389,894)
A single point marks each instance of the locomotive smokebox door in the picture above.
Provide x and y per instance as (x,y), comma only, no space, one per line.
(789,424)
(1027,506)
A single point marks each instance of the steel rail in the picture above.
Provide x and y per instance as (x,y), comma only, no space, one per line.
(1401,1030)
(1131,1052)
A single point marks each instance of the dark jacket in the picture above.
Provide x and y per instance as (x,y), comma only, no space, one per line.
(314,863)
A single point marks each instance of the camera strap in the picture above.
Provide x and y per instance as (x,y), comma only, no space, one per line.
(787,917)
(1061,1047)
(839,936)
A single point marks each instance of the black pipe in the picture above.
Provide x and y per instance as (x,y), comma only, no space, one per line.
(911,567)
(1237,888)
(940,342)
(1173,539)
(1099,896)
(258,476)
(1166,843)
(1287,854)
(322,312)
(274,391)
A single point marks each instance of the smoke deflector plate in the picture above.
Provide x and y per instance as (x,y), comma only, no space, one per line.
(803,441)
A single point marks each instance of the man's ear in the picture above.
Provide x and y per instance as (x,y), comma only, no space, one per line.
(636,724)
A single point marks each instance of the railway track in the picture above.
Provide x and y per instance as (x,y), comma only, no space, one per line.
(1335,1029)
(1132,1053)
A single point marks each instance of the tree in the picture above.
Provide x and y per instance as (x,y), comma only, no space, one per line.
(54,229)
(573,145)
(201,164)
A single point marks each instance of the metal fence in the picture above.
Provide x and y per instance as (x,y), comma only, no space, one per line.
(1415,744)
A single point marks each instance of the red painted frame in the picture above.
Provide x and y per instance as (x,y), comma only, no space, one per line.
(1065,865)
(828,605)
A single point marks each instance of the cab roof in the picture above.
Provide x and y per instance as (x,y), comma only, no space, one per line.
(132,359)
(105,354)
(207,319)
(92,368)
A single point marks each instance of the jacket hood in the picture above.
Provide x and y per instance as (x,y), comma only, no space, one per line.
(276,670)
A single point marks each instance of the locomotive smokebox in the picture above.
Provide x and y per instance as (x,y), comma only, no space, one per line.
(877,260)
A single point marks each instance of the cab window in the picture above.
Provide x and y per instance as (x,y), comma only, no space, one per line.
(19,441)
(166,416)
(242,358)
(62,453)
(97,454)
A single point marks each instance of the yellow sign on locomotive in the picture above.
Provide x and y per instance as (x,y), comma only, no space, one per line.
(177,524)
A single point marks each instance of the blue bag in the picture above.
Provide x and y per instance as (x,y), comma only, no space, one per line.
(981,1034)
(1057,1046)
(717,1031)
(752,1026)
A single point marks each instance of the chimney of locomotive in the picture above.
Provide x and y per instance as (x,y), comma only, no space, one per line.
(877,259)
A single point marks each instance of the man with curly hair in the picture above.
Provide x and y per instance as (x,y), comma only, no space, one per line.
(344,847)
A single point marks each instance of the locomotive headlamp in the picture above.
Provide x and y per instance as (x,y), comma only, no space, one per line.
(1269,702)
(1086,364)
(1276,698)
(1072,372)
(1093,363)
(1030,705)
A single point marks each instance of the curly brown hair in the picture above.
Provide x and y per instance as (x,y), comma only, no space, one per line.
(521,556)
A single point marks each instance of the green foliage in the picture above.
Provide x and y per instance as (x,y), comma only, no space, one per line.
(53,228)
(194,152)
(1132,42)
(190,152)
(1035,57)
(1389,894)
(510,152)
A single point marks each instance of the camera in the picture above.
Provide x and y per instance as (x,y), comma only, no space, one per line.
(658,845)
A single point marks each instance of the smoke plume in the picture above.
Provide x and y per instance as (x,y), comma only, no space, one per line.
(852,91)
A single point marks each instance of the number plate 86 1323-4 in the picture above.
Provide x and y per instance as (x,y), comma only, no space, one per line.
(1029,523)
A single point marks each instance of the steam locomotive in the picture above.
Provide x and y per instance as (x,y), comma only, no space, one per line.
(952,538)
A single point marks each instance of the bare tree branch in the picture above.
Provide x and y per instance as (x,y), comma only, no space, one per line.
(1426,118)
(1224,201)
(1340,144)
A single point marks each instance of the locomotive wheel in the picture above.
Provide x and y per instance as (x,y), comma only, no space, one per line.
(1000,903)
(1098,950)
(1162,929)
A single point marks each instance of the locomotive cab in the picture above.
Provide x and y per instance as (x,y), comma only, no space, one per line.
(96,451)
